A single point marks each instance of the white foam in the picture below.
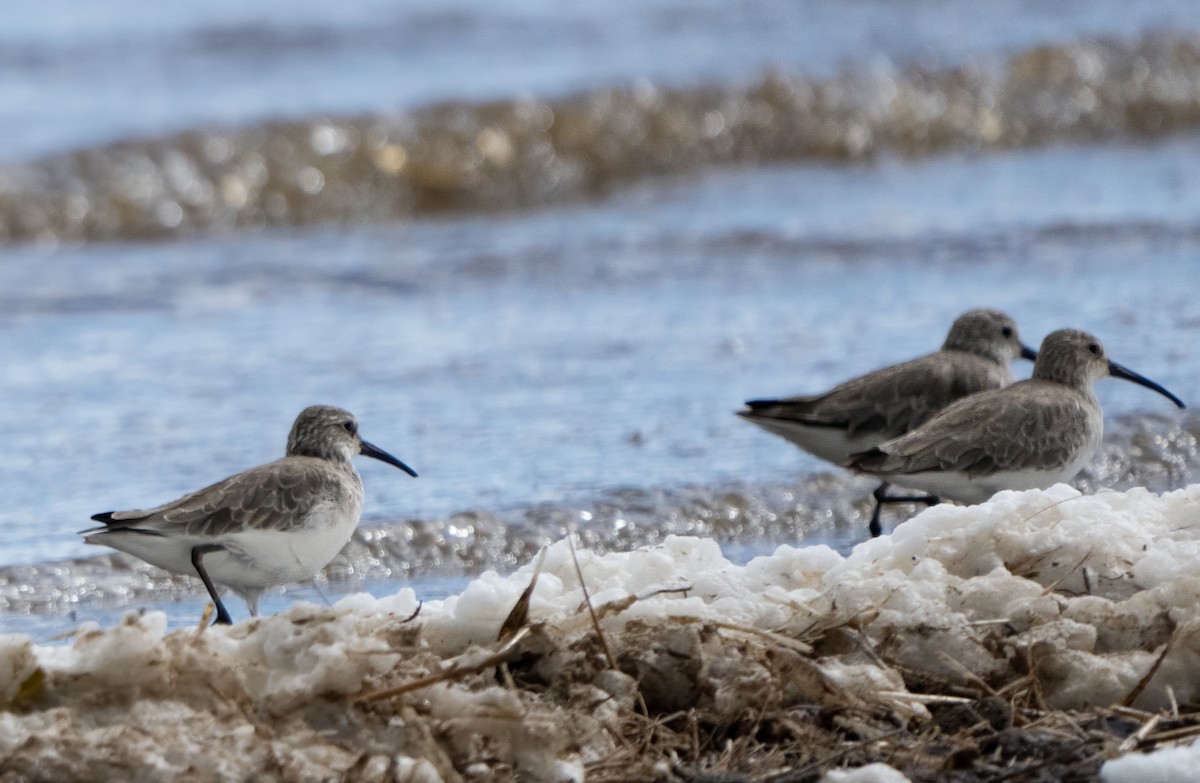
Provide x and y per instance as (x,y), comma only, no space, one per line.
(1171,765)
(872,773)
(1090,588)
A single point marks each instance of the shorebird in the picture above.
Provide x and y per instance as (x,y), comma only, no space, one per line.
(271,525)
(881,405)
(1031,435)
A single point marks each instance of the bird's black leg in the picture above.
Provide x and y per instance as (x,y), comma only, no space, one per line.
(882,497)
(198,552)
(880,494)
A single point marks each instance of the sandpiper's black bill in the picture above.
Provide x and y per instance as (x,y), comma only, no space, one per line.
(1117,371)
(1028,353)
(371,451)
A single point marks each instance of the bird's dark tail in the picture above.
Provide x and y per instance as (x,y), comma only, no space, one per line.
(868,461)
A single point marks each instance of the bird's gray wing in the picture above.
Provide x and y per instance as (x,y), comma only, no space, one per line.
(1022,427)
(890,401)
(281,491)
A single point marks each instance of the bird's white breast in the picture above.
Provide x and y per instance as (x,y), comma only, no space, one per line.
(266,557)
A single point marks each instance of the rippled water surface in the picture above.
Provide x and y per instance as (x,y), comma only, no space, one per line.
(550,305)
(78,75)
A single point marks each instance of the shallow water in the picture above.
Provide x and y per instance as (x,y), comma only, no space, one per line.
(88,76)
(504,155)
(566,362)
(641,333)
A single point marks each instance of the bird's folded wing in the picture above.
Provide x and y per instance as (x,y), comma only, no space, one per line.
(280,491)
(890,401)
(985,434)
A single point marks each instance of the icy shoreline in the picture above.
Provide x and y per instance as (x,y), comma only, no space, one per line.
(964,626)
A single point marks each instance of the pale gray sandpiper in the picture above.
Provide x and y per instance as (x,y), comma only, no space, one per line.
(1031,435)
(271,525)
(881,405)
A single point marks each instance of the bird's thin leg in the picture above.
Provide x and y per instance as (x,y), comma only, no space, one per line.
(880,494)
(882,497)
(198,552)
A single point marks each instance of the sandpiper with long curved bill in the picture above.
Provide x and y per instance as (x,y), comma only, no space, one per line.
(881,405)
(1031,435)
(271,525)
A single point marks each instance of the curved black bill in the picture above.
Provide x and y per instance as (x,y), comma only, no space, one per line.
(371,451)
(1028,353)
(1117,371)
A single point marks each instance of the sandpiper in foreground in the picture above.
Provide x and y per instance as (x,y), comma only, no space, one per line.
(881,405)
(1031,435)
(271,525)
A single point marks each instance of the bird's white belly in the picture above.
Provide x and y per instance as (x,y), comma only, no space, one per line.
(971,490)
(828,443)
(263,557)
(960,487)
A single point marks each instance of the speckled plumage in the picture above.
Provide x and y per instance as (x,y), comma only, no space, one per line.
(1030,435)
(270,525)
(275,496)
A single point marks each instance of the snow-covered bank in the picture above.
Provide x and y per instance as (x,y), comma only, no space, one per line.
(965,623)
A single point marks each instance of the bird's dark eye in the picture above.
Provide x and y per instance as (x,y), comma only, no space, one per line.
(1007,331)
(1094,348)
(350,427)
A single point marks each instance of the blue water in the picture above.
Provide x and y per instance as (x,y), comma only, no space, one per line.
(544,356)
(516,360)
(72,75)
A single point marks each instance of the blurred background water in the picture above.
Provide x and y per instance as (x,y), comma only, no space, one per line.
(545,250)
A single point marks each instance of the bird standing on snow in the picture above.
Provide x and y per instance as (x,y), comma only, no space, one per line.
(1031,435)
(881,405)
(271,525)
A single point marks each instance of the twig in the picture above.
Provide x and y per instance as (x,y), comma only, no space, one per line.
(967,674)
(612,662)
(926,698)
(519,616)
(777,638)
(664,591)
(805,772)
(1136,738)
(1175,734)
(205,616)
(453,672)
(1055,504)
(1131,697)
(1131,712)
